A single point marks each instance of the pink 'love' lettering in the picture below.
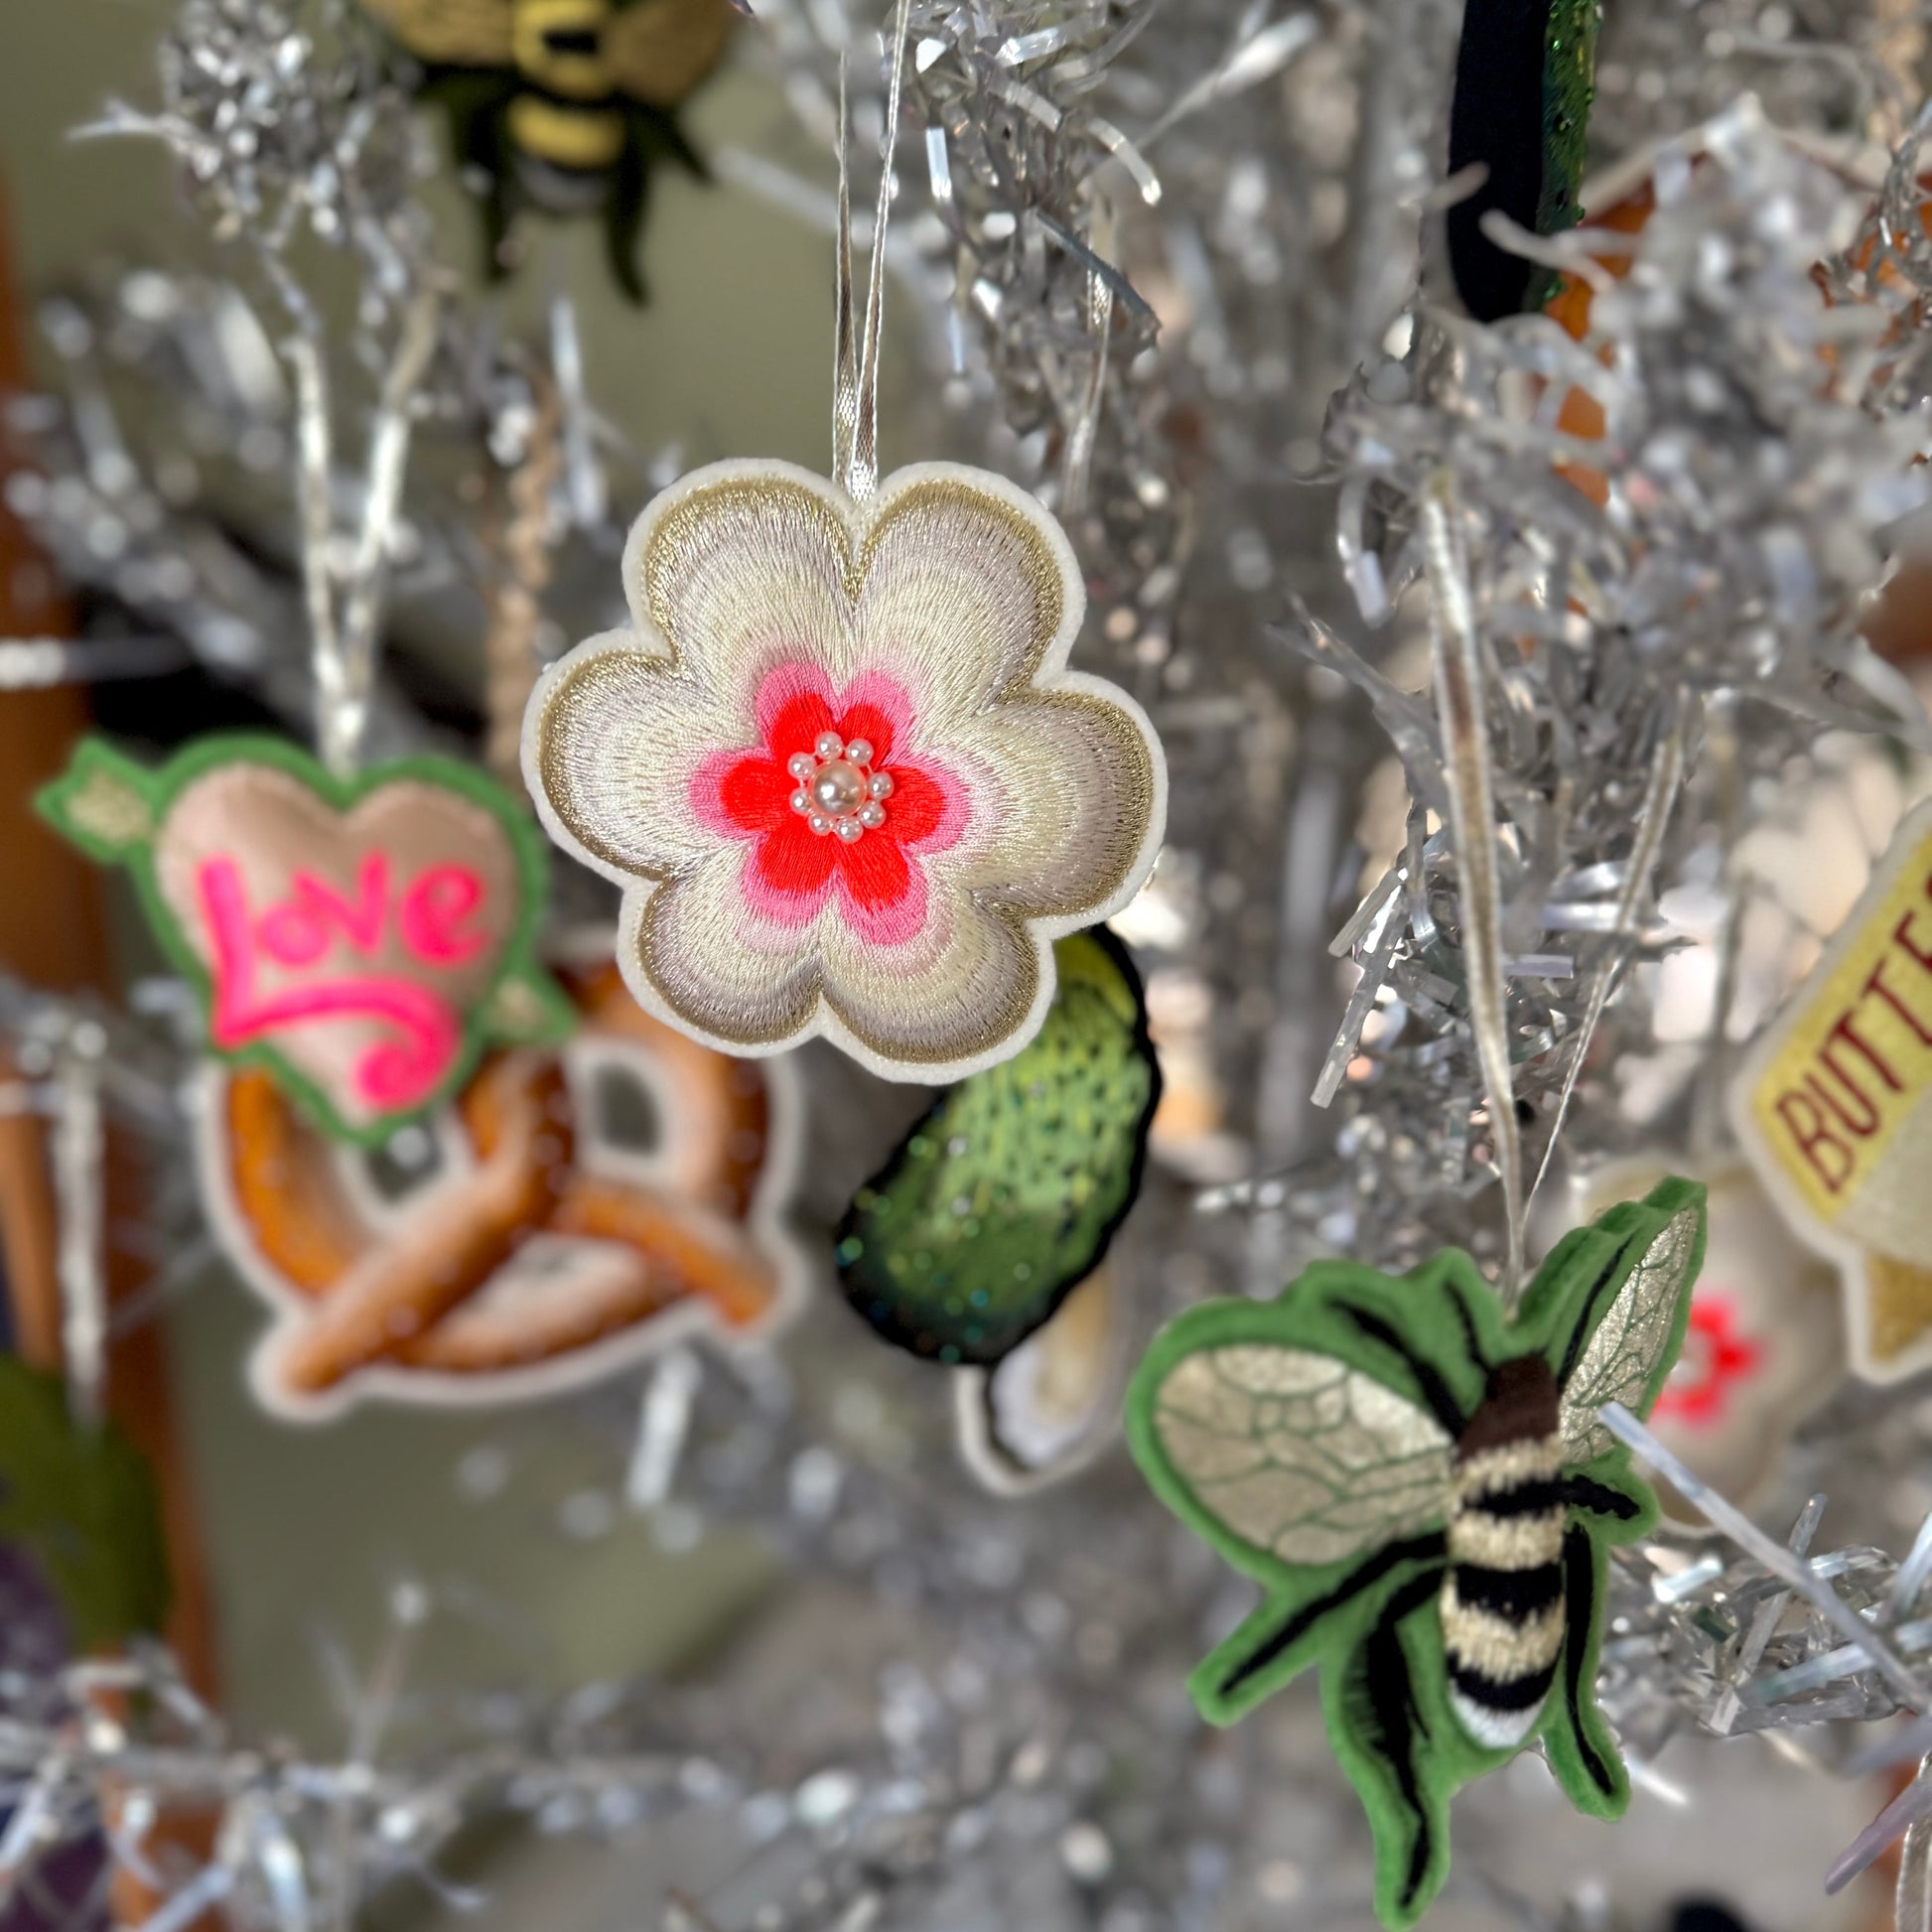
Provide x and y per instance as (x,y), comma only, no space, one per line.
(430,917)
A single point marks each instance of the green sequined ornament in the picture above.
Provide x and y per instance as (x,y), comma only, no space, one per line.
(1007,1192)
(1525,79)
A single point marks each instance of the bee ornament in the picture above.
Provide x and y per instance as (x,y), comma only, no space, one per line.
(1428,1495)
(564,105)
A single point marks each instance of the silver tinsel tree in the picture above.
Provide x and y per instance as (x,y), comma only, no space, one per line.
(1462,756)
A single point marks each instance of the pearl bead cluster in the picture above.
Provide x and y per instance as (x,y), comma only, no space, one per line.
(838,791)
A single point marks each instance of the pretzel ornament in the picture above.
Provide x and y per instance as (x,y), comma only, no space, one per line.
(547,1249)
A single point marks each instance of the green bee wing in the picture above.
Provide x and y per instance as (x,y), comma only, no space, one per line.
(1311,1441)
(82,1503)
(1005,1196)
(1295,1452)
(1617,1317)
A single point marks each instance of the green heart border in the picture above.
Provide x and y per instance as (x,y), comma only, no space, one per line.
(147,795)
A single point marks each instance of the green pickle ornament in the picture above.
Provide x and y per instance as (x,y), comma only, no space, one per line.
(1428,1495)
(1007,1192)
(1525,78)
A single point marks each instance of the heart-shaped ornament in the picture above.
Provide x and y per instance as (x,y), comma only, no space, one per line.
(362,939)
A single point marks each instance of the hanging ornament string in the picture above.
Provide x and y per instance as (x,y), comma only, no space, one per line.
(79,1147)
(854,363)
(516,611)
(585,484)
(1470,776)
(342,616)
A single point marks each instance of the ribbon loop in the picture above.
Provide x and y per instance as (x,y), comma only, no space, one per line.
(855,362)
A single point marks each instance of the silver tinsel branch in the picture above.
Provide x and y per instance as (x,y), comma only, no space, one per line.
(288,129)
(1758,446)
(1149,244)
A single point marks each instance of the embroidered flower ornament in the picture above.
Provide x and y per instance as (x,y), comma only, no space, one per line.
(840,768)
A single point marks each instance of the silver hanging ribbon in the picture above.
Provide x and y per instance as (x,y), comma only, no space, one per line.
(845,355)
(79,1148)
(1913,1902)
(1100,316)
(345,607)
(855,362)
(1653,819)
(1470,776)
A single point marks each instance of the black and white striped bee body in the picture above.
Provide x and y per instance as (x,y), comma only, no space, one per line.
(1502,1596)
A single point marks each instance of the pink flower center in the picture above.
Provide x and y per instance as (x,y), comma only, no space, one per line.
(831,767)
(839,793)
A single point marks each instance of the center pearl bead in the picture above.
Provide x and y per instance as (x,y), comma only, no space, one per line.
(839,787)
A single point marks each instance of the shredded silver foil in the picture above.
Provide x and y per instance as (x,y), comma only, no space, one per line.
(1759,446)
(1175,267)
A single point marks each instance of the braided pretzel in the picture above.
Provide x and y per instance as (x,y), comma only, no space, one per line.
(544,1254)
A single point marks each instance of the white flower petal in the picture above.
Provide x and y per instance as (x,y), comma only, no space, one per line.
(743,565)
(968,587)
(945,1000)
(1082,809)
(697,953)
(613,737)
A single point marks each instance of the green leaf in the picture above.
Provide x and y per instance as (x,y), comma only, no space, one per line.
(527,1010)
(1002,1199)
(103,802)
(82,1502)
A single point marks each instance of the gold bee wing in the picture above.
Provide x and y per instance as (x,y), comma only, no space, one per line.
(1638,1330)
(657,51)
(1296,1453)
(451,33)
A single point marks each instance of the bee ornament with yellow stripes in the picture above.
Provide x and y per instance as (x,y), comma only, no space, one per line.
(1428,1495)
(564,105)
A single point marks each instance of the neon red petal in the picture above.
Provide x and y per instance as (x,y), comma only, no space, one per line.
(876,873)
(916,805)
(867,721)
(756,793)
(797,725)
(792,859)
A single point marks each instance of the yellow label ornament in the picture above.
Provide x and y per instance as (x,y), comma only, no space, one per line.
(1833,1106)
